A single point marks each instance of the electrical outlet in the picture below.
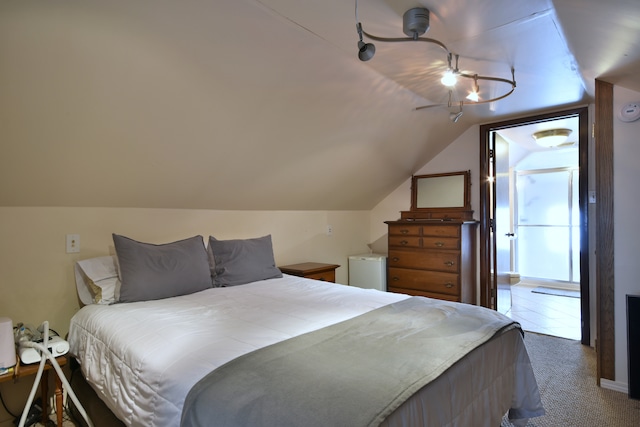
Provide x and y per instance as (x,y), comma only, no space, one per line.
(73,243)
(329,230)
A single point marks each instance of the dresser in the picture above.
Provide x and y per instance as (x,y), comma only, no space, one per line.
(433,258)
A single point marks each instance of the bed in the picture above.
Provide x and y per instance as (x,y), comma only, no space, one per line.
(286,350)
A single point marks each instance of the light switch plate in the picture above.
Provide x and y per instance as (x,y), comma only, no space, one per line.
(73,243)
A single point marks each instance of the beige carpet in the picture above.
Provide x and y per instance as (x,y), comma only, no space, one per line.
(566,375)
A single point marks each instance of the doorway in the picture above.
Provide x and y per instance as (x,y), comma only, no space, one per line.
(525,242)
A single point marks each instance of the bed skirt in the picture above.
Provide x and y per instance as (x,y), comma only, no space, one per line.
(100,414)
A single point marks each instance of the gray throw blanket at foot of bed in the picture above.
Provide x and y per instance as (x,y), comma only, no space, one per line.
(353,373)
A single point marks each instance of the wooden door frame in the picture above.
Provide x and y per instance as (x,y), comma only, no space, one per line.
(487,294)
(605,260)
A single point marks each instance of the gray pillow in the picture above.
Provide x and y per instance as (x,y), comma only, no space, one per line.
(150,272)
(242,261)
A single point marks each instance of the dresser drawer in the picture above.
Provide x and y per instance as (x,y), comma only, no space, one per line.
(441,243)
(405,229)
(441,230)
(427,281)
(326,276)
(418,293)
(405,241)
(425,260)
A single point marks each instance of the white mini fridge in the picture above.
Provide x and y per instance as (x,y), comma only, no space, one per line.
(368,271)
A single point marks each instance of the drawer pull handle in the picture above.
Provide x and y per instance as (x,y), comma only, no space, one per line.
(448,285)
(439,244)
(404,242)
(404,231)
(395,259)
(449,263)
(395,278)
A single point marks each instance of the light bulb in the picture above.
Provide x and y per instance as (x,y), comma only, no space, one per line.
(473,96)
(449,78)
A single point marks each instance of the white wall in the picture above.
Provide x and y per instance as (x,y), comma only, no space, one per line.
(626,176)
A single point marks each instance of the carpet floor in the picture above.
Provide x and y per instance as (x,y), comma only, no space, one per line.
(566,374)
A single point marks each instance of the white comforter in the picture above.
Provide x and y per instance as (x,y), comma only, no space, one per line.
(143,358)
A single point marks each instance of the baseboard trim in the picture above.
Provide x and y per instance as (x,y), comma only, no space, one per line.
(614,385)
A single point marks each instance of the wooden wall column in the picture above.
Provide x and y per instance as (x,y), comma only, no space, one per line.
(605,283)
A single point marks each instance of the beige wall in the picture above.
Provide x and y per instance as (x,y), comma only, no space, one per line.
(462,154)
(36,274)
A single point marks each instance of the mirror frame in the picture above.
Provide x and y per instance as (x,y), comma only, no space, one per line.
(463,212)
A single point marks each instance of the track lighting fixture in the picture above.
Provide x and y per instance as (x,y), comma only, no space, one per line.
(474,95)
(415,22)
(453,116)
(365,50)
(449,78)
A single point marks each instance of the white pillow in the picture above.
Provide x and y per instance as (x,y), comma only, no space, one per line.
(97,280)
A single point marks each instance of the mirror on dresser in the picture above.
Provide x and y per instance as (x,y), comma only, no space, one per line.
(432,247)
(440,196)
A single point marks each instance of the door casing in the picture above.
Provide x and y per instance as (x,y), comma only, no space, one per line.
(487,244)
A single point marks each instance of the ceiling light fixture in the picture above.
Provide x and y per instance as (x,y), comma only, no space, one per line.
(415,22)
(454,117)
(449,78)
(474,95)
(365,50)
(551,137)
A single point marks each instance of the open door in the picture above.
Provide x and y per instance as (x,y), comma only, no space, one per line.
(495,228)
(503,223)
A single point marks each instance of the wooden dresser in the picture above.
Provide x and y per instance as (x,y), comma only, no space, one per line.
(433,258)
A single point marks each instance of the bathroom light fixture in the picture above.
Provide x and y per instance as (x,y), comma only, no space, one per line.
(415,22)
(551,137)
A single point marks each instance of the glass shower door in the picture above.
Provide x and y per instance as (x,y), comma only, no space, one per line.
(547,223)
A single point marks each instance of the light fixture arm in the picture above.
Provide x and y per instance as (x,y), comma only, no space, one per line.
(359,30)
(476,77)
(406,39)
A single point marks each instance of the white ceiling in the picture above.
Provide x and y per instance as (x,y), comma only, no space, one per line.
(523,135)
(263,104)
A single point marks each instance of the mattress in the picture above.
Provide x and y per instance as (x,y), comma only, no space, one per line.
(143,358)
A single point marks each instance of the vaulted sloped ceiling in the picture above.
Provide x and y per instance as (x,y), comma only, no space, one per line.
(247,104)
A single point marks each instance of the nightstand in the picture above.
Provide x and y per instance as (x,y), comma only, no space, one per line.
(312,270)
(21,371)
